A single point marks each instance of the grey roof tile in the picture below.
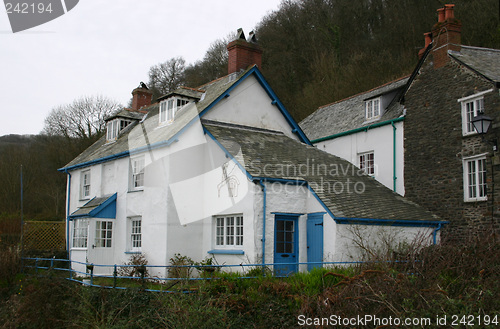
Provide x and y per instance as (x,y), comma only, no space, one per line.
(485,61)
(133,137)
(349,114)
(273,155)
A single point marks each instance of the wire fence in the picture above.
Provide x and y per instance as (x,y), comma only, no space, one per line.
(139,276)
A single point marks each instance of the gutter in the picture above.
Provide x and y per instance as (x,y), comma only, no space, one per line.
(353,131)
(390,222)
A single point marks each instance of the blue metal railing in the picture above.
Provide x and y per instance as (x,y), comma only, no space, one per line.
(89,277)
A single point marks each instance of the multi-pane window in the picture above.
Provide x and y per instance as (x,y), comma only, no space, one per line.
(285,236)
(475,179)
(85,184)
(367,163)
(103,234)
(135,233)
(137,165)
(471,109)
(169,107)
(373,108)
(163,112)
(229,231)
(80,233)
(112,129)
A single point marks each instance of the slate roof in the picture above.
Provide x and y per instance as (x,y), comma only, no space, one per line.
(92,206)
(484,61)
(145,131)
(127,114)
(269,154)
(349,114)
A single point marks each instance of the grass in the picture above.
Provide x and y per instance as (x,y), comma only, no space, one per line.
(447,280)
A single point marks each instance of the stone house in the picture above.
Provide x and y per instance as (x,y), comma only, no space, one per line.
(449,168)
(223,171)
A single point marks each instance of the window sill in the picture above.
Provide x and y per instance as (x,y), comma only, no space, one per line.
(78,249)
(135,191)
(133,252)
(226,252)
(476,200)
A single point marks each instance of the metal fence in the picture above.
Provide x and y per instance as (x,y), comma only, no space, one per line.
(136,276)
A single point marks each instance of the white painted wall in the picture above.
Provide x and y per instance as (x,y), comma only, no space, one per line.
(376,239)
(249,104)
(379,140)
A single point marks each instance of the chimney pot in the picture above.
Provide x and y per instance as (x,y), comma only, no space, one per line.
(448,11)
(441,15)
(428,39)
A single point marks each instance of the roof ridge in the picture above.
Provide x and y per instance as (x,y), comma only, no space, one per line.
(480,48)
(193,89)
(238,126)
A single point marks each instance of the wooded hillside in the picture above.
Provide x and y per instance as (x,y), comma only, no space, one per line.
(320,51)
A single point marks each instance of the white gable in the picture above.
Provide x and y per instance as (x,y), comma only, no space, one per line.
(250,105)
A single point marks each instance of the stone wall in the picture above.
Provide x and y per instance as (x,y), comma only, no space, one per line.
(435,147)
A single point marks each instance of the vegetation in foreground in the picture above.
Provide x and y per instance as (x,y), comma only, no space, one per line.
(445,280)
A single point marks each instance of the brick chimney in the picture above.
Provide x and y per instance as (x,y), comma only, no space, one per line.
(141,97)
(446,35)
(243,53)
(428,40)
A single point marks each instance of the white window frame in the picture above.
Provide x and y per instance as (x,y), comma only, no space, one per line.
(85,184)
(475,178)
(137,169)
(103,234)
(471,106)
(169,107)
(228,231)
(112,130)
(80,233)
(365,164)
(135,234)
(373,108)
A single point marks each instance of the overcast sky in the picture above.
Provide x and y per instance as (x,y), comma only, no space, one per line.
(106,48)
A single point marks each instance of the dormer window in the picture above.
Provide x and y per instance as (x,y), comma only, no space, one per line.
(373,108)
(169,107)
(114,127)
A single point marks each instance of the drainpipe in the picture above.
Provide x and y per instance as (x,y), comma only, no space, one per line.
(263,225)
(434,233)
(67,217)
(394,177)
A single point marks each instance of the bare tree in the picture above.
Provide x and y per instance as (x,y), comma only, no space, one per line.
(166,77)
(84,118)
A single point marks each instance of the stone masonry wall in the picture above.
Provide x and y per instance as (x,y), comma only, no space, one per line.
(435,148)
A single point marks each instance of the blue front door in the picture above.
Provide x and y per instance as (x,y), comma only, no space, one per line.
(314,240)
(286,244)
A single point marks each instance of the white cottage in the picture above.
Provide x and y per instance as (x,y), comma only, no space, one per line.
(366,129)
(224,171)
